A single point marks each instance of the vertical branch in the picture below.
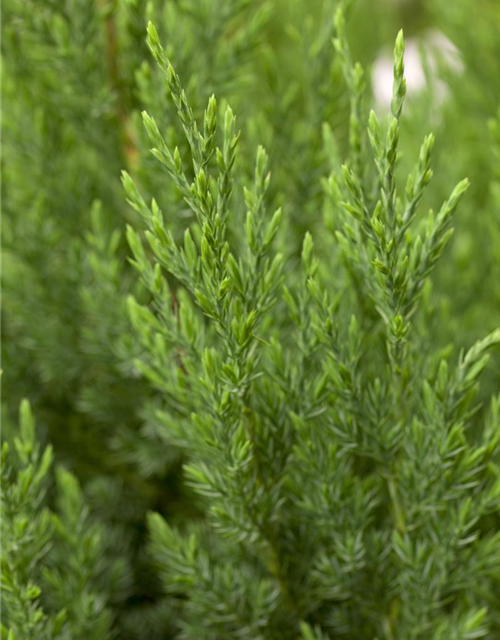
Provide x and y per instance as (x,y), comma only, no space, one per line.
(127,142)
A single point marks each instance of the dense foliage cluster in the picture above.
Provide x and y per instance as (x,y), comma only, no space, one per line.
(258,356)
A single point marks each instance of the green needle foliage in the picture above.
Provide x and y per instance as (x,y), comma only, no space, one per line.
(329,450)
(267,387)
(60,550)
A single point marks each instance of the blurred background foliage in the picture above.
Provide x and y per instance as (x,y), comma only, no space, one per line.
(77,73)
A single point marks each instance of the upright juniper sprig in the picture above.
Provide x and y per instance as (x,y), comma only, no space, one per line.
(394,261)
(25,535)
(234,295)
(39,600)
(313,467)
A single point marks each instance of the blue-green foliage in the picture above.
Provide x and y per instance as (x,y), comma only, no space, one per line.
(51,560)
(270,382)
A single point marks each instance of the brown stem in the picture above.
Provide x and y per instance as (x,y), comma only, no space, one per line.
(127,141)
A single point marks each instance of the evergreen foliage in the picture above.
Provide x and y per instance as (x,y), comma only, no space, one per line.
(270,382)
(61,550)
